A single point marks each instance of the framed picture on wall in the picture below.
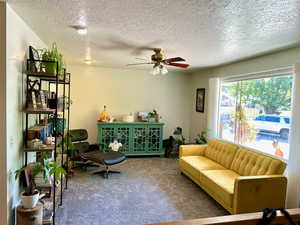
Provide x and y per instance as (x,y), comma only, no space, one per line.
(200,99)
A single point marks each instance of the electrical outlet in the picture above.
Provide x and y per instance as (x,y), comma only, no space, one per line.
(11,141)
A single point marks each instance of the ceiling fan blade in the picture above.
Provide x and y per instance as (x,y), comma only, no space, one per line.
(119,44)
(182,65)
(136,64)
(175,59)
(141,59)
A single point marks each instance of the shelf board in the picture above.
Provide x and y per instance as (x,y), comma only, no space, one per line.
(49,148)
(39,111)
(40,74)
(60,81)
(39,127)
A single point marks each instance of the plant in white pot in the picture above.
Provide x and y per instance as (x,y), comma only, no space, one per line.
(45,166)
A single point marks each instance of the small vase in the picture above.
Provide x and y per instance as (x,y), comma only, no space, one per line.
(157,118)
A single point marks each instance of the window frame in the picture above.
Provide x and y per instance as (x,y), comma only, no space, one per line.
(287,71)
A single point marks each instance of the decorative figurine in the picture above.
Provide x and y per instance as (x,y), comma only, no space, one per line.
(115,145)
(104,116)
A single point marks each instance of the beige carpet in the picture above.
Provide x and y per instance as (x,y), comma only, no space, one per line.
(148,190)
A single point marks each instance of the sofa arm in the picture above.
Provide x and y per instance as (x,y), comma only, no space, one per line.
(254,193)
(191,150)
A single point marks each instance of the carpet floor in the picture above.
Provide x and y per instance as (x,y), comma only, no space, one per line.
(148,190)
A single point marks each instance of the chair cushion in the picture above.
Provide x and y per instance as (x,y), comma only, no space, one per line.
(220,183)
(250,163)
(221,152)
(106,158)
(193,164)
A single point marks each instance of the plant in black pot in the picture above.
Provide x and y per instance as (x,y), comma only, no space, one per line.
(45,166)
(178,140)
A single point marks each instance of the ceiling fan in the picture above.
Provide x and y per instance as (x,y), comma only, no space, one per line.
(159,62)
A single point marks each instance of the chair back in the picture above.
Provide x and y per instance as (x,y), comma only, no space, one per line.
(78,135)
(80,144)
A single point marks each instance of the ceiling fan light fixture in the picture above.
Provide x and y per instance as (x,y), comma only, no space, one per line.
(155,71)
(88,61)
(82,31)
(163,70)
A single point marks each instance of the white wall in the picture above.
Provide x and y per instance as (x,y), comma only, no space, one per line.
(271,61)
(3,188)
(198,119)
(19,37)
(124,91)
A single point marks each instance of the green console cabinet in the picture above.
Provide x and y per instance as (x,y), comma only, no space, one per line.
(137,138)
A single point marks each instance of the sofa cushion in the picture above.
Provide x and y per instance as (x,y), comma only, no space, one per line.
(221,152)
(193,164)
(220,183)
(250,163)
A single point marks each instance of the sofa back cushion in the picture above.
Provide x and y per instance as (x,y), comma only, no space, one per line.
(221,152)
(250,163)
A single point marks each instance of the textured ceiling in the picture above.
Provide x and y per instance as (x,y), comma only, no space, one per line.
(204,32)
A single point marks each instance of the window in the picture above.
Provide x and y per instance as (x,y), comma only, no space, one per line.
(257,113)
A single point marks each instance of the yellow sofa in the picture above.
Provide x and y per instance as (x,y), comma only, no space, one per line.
(240,179)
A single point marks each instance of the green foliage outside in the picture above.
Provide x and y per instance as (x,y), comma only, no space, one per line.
(273,94)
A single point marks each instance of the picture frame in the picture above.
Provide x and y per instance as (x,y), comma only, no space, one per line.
(33,55)
(200,99)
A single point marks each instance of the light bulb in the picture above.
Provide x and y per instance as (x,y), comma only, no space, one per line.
(82,31)
(88,62)
(155,71)
(163,71)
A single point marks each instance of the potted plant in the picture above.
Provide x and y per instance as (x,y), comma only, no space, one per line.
(202,137)
(177,141)
(153,116)
(52,54)
(45,166)
(180,140)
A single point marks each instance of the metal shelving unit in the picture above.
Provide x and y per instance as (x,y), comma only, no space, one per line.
(43,79)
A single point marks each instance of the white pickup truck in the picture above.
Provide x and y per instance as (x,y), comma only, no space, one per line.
(273,123)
